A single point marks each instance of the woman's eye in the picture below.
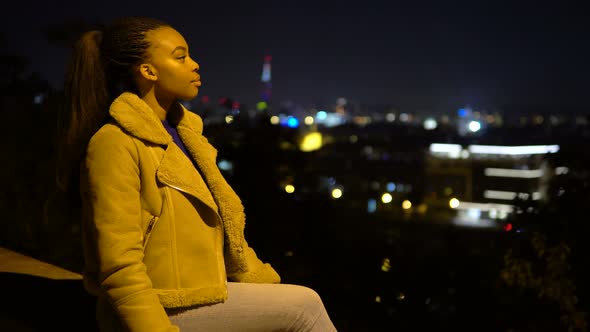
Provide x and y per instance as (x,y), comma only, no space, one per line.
(182,57)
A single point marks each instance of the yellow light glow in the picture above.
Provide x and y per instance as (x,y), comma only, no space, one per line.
(386,265)
(386,198)
(406,204)
(308,120)
(448,191)
(361,120)
(422,208)
(289,189)
(454,203)
(261,105)
(229,119)
(337,193)
(311,141)
(378,299)
(275,120)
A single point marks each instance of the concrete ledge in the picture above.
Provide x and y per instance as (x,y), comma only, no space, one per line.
(38,296)
(14,262)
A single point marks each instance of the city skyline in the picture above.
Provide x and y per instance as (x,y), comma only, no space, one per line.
(422,56)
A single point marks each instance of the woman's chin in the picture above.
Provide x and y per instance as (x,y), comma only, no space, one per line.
(191,96)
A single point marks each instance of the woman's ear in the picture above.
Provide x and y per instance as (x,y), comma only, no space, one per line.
(148,72)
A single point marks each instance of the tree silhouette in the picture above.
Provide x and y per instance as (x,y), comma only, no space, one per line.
(546,263)
(36,222)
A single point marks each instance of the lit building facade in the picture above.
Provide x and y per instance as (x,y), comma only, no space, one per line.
(485,180)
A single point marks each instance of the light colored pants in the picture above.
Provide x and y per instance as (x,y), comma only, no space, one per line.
(260,308)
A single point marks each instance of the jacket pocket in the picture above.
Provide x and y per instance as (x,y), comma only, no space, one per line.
(150,227)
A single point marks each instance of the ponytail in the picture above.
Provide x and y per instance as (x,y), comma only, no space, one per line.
(102,66)
(84,110)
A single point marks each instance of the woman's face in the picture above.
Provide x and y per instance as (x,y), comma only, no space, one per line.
(176,72)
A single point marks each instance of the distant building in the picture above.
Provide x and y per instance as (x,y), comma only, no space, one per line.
(485,180)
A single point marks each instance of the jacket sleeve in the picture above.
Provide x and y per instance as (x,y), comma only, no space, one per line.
(256,270)
(113,200)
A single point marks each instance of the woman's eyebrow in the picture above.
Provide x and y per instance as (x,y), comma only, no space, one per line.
(179,48)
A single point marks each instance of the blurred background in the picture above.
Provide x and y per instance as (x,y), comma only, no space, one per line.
(421,165)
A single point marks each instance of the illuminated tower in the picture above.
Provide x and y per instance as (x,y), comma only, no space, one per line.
(265,79)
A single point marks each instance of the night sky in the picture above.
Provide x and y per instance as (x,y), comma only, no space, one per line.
(412,54)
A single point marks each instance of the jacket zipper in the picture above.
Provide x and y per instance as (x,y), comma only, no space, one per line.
(149,230)
(175,187)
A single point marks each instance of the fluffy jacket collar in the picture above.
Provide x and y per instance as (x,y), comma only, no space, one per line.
(139,120)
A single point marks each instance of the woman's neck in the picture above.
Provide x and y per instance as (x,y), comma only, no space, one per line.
(159,106)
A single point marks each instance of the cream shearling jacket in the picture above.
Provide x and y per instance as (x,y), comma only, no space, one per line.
(158,233)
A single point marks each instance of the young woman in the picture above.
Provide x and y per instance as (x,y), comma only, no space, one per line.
(163,232)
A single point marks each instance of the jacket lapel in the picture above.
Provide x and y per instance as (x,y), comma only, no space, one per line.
(177,171)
